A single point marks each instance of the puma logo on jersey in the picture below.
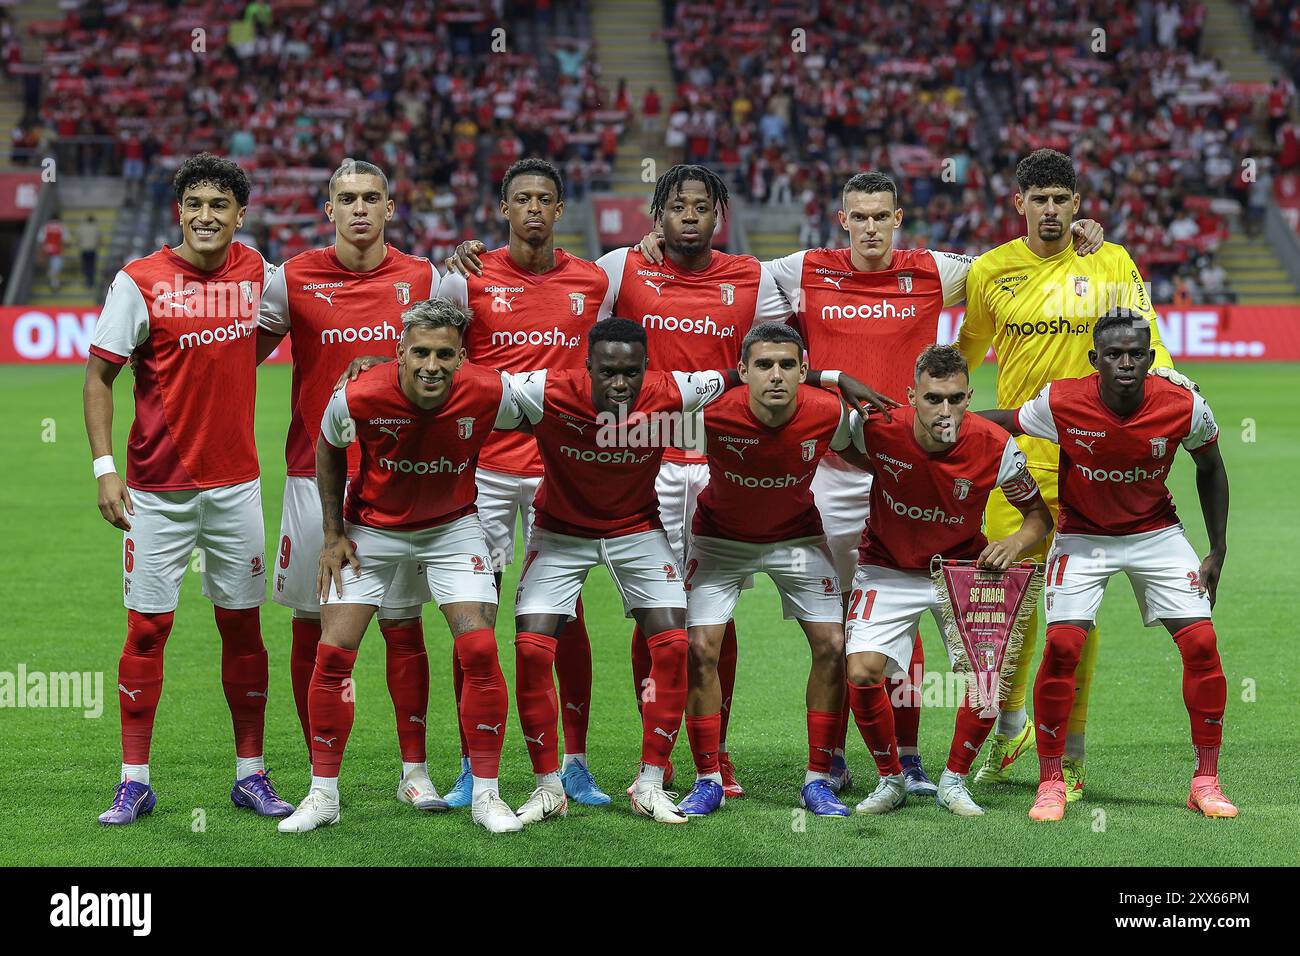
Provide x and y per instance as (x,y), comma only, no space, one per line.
(834,282)
(501,304)
(1087,445)
(535,740)
(496,729)
(391,431)
(738,449)
(129,693)
(328,298)
(327,743)
(895,473)
(658,288)
(416,719)
(1051,732)
(663,733)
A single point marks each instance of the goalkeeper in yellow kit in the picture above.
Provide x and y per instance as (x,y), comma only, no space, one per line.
(1034,300)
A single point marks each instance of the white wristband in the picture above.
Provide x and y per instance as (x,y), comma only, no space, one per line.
(830,377)
(104,466)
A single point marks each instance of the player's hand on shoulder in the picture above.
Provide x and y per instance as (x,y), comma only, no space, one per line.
(652,246)
(359,365)
(1177,377)
(1088,236)
(115,501)
(858,394)
(465,260)
(335,553)
(999,555)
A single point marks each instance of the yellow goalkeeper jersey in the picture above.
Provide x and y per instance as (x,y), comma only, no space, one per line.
(1038,313)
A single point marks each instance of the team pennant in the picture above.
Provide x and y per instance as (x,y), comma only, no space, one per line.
(985,613)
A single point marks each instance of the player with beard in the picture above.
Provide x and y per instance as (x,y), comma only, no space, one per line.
(866,309)
(533,305)
(340,302)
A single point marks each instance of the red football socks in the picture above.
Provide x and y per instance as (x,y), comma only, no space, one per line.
(244,676)
(407,670)
(1205,692)
(704,733)
(905,698)
(1054,695)
(302,663)
(139,680)
(727,673)
(573,672)
(967,738)
(822,728)
(484,702)
(458,686)
(640,666)
(535,698)
(665,701)
(875,720)
(331,700)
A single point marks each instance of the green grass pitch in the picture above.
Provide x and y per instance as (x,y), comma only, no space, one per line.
(64,613)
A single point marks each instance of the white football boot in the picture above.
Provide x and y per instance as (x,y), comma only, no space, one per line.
(493,814)
(318,809)
(418,790)
(954,796)
(653,801)
(543,804)
(890,794)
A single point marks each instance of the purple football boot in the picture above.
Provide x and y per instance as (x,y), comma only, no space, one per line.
(132,800)
(256,792)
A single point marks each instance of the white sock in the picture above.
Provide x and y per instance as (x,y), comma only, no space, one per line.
(715,777)
(1074,746)
(1010,722)
(327,785)
(136,771)
(484,784)
(908,752)
(722,746)
(551,781)
(247,766)
(421,768)
(654,776)
(810,775)
(574,758)
(950,777)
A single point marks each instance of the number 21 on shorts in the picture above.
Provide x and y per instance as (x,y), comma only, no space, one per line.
(861,601)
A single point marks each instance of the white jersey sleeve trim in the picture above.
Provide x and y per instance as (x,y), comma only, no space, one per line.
(843,436)
(787,271)
(336,425)
(123,322)
(273,314)
(1035,417)
(1013,474)
(772,305)
(454,287)
(857,431)
(1204,430)
(699,388)
(509,413)
(613,263)
(528,390)
(952,275)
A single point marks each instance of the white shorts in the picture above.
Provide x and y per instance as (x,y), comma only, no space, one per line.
(678,486)
(1161,566)
(885,607)
(298,558)
(800,568)
(843,497)
(642,565)
(454,557)
(501,498)
(216,532)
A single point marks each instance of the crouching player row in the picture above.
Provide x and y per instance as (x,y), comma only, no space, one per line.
(1118,430)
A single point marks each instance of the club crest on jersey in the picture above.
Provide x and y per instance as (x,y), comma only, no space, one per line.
(577,302)
(403,292)
(465,427)
(809,448)
(1081,286)
(961,488)
(905,282)
(1158,446)
(728,293)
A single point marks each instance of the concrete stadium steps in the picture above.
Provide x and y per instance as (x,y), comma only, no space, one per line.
(773,245)
(1255,272)
(72,290)
(574,243)
(624,34)
(1227,38)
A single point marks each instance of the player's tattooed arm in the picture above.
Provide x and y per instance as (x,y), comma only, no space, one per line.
(465,260)
(97,405)
(1088,236)
(1212,487)
(1003,417)
(359,365)
(1000,555)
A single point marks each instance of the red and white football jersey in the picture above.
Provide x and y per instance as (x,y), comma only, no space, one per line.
(926,503)
(600,471)
(192,335)
(760,477)
(417,464)
(872,325)
(693,319)
(1112,471)
(524,320)
(334,315)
